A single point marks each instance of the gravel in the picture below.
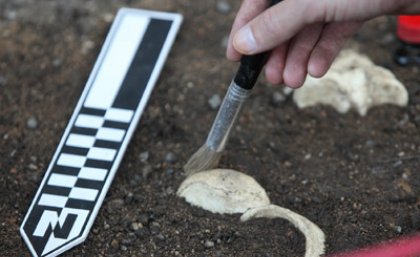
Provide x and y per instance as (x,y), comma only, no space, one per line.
(215,101)
(171,158)
(115,244)
(209,244)
(146,171)
(144,156)
(277,98)
(32,123)
(223,7)
(224,42)
(2,80)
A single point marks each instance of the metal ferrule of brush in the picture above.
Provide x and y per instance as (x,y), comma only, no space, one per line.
(226,117)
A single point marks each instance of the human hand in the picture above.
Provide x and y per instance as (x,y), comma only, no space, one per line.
(304,35)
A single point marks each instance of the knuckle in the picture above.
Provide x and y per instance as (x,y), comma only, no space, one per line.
(269,23)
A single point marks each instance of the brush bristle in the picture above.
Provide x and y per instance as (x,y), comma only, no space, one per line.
(203,159)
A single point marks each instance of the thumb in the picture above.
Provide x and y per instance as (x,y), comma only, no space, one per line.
(272,27)
(282,21)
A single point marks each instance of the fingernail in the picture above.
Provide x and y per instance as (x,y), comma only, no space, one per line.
(244,40)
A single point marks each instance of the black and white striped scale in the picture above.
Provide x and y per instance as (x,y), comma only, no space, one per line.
(91,149)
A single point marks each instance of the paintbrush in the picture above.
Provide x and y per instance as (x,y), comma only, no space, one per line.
(208,156)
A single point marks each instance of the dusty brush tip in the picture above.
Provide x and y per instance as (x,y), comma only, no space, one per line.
(203,159)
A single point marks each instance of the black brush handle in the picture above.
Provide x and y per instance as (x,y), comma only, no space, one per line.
(251,66)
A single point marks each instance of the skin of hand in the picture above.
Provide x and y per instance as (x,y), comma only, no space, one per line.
(304,35)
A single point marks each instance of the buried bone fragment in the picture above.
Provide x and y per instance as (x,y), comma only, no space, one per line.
(223,191)
(313,234)
(227,191)
(353,82)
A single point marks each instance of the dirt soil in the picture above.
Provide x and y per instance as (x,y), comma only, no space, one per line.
(356,177)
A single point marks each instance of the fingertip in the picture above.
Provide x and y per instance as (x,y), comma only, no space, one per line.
(275,65)
(294,83)
(294,74)
(233,55)
(244,41)
(329,45)
(319,62)
(295,78)
(317,67)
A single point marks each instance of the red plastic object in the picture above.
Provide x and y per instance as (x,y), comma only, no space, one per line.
(408,28)
(406,247)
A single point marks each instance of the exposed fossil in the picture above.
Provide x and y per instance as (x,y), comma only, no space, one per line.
(353,81)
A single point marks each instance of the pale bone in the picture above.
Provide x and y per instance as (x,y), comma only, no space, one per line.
(223,191)
(228,191)
(353,81)
(313,234)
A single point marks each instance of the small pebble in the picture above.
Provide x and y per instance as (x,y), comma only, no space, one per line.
(146,171)
(415,221)
(398,229)
(108,17)
(277,98)
(160,237)
(56,62)
(272,145)
(287,91)
(137,177)
(224,42)
(141,233)
(144,218)
(397,163)
(32,123)
(11,15)
(209,244)
(370,143)
(417,120)
(387,39)
(129,198)
(215,101)
(9,243)
(126,242)
(170,191)
(170,171)
(136,226)
(316,199)
(190,84)
(223,7)
(32,166)
(2,81)
(114,244)
(134,182)
(116,203)
(144,156)
(171,158)
(87,46)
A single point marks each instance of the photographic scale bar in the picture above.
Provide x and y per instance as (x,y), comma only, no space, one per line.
(92,146)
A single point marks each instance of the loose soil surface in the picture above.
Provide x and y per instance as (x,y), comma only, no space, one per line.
(356,177)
